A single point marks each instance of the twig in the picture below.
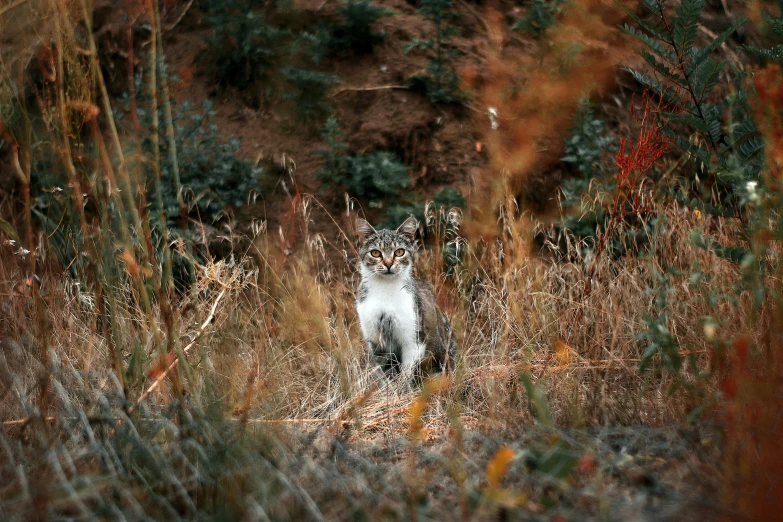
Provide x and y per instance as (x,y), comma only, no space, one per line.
(165,372)
(16,422)
(173,24)
(369,88)
(476,14)
(12,5)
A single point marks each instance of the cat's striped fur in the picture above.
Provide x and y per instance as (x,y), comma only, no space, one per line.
(400,320)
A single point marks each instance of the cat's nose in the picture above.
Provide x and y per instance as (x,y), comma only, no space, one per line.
(388,263)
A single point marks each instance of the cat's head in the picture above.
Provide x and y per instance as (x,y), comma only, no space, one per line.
(387,253)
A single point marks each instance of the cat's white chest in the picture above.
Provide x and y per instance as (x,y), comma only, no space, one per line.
(390,304)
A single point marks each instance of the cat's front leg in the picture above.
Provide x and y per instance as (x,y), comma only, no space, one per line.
(411,356)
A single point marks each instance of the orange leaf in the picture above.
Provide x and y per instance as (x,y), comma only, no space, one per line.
(496,468)
(161,365)
(131,265)
(562,352)
(586,465)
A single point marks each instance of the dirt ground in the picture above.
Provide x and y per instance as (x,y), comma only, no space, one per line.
(621,473)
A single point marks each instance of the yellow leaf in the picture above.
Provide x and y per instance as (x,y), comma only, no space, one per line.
(496,468)
(417,410)
(431,387)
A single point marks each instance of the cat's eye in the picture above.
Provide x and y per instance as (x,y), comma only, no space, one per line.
(399,252)
(375,253)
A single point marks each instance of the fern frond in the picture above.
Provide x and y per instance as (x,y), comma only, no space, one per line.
(712,116)
(703,53)
(686,23)
(775,23)
(654,7)
(654,45)
(692,121)
(662,68)
(666,92)
(644,24)
(704,78)
(751,147)
(742,131)
(773,54)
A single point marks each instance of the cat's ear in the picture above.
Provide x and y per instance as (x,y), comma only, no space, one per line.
(408,228)
(364,228)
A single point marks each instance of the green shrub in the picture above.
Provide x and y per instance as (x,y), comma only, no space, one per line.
(686,79)
(213,178)
(589,148)
(729,153)
(244,48)
(447,198)
(335,158)
(308,90)
(588,144)
(440,83)
(354,32)
(373,176)
(376,176)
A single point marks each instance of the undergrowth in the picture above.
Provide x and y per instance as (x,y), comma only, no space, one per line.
(245,391)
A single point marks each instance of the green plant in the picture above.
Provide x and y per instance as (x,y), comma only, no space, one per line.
(214,179)
(397,212)
(540,17)
(308,91)
(686,77)
(775,53)
(587,194)
(354,33)
(375,176)
(440,83)
(738,152)
(244,48)
(589,144)
(334,155)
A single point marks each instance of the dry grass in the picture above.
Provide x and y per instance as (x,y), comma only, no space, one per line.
(283,355)
(294,327)
(129,392)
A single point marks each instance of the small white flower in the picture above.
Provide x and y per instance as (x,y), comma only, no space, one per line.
(493,117)
(753,194)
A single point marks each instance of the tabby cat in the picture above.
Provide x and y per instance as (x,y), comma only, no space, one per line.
(403,326)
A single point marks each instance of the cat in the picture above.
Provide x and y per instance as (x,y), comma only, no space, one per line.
(404,329)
